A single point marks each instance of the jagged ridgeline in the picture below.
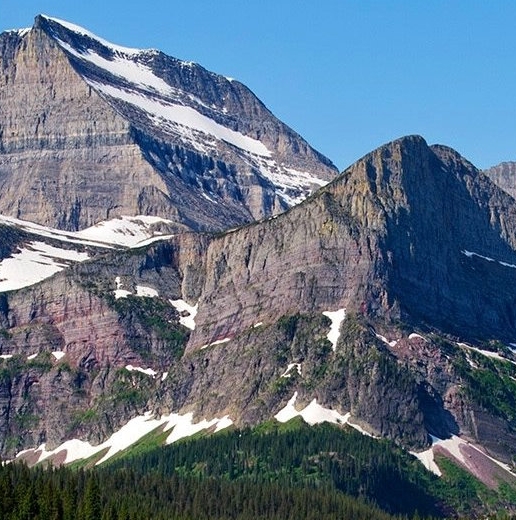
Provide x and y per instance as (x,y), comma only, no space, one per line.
(385,300)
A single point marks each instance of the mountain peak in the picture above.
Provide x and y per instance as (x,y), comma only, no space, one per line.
(208,153)
(58,27)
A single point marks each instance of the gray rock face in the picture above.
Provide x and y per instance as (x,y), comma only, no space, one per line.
(504,176)
(90,131)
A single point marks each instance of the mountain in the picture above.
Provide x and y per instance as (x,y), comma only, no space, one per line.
(170,304)
(91,131)
(384,301)
(504,175)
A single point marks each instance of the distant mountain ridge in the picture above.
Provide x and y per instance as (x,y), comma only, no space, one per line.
(107,131)
(504,175)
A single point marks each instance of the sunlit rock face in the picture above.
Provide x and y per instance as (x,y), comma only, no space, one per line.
(92,131)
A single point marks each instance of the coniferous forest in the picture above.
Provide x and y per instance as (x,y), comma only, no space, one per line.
(270,472)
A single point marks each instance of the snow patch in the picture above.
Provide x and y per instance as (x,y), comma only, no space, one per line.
(470,254)
(180,118)
(293,184)
(487,353)
(417,336)
(259,324)
(119,292)
(216,342)
(392,343)
(336,317)
(314,413)
(6,356)
(136,73)
(34,263)
(58,354)
(32,356)
(20,32)
(181,426)
(126,231)
(182,307)
(453,446)
(297,366)
(164,376)
(84,32)
(427,458)
(146,371)
(147,292)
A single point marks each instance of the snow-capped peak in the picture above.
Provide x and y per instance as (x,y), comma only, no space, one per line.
(84,32)
(147,87)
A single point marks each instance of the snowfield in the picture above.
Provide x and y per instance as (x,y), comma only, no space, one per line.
(180,426)
(36,260)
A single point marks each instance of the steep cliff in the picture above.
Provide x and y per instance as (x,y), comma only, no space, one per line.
(92,131)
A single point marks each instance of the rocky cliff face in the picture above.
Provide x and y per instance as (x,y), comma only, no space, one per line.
(404,221)
(91,131)
(410,239)
(504,176)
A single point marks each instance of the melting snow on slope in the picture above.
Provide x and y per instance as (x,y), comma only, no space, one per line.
(469,254)
(336,317)
(33,263)
(146,371)
(487,353)
(180,425)
(185,308)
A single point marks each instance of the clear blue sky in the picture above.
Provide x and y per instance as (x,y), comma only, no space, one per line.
(347,75)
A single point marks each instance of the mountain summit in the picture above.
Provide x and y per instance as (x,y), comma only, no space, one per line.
(92,131)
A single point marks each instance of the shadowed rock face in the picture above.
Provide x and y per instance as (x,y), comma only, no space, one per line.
(75,149)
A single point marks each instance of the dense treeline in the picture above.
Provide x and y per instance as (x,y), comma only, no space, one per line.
(274,471)
(318,456)
(127,494)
